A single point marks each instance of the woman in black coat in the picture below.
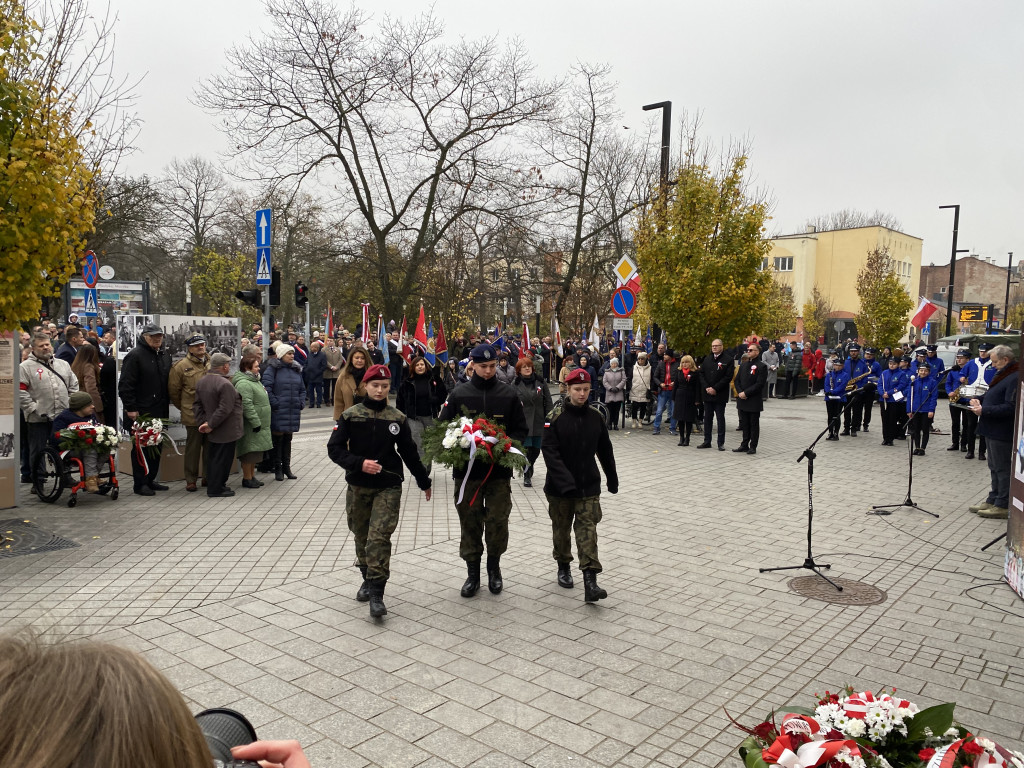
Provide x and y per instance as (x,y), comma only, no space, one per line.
(536,399)
(686,396)
(420,397)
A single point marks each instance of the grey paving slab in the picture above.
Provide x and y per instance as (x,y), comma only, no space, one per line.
(248,602)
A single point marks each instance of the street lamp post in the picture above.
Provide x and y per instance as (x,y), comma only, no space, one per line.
(536,329)
(666,134)
(952,265)
(1006,304)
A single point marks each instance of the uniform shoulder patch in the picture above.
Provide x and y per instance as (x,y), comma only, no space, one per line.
(394,428)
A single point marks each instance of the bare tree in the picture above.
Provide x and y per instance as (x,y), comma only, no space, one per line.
(596,176)
(848,218)
(411,122)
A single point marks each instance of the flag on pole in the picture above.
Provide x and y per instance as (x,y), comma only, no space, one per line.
(421,332)
(925,309)
(648,342)
(556,334)
(329,328)
(497,331)
(441,345)
(366,322)
(664,339)
(595,333)
(526,337)
(382,343)
(431,354)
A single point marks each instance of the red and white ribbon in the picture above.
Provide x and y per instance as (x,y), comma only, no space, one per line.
(808,755)
(477,438)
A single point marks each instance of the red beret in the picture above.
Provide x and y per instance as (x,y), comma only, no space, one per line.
(578,376)
(376,373)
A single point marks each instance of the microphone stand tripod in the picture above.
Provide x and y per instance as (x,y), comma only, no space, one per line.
(808,562)
(886,509)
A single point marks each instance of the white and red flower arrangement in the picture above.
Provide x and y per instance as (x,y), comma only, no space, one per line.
(463,441)
(87,437)
(148,436)
(869,730)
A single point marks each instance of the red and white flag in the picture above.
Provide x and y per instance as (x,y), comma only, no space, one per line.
(366,323)
(925,309)
(526,338)
(329,327)
(557,334)
(421,332)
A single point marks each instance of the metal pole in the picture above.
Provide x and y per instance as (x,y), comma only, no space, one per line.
(666,136)
(952,266)
(309,333)
(266,322)
(1006,304)
(536,328)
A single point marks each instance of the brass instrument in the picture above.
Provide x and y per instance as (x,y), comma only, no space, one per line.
(956,394)
(852,385)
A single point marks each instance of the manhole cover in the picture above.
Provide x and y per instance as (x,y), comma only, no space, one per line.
(854,592)
(18,537)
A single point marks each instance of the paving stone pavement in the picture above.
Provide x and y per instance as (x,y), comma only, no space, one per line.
(248,602)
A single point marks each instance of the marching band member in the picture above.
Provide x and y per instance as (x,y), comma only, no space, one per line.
(977,375)
(922,398)
(854,415)
(835,396)
(892,393)
(870,385)
(957,415)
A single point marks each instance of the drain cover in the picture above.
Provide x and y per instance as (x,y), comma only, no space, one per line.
(854,592)
(18,537)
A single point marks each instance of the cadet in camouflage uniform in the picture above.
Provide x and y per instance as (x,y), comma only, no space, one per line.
(487,501)
(573,436)
(364,443)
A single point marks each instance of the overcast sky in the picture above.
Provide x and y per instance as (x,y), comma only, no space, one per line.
(898,106)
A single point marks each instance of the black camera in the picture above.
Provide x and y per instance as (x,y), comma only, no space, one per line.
(223,729)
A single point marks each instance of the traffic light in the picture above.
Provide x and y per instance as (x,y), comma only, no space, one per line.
(301,295)
(252,298)
(275,287)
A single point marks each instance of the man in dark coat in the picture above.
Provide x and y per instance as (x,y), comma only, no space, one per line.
(218,412)
(143,390)
(715,375)
(73,339)
(750,380)
(995,424)
(485,503)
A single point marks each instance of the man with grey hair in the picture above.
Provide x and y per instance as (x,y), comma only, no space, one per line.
(995,424)
(218,412)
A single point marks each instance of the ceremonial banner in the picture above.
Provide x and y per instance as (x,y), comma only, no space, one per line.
(382,343)
(595,333)
(1013,564)
(366,323)
(526,337)
(329,327)
(430,354)
(421,332)
(441,345)
(556,334)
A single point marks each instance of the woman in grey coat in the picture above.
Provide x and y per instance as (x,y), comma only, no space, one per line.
(771,359)
(614,381)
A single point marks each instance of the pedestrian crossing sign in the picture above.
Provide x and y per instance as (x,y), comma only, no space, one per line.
(625,269)
(263,266)
(91,309)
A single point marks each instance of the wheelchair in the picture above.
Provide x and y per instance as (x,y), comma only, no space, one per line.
(56,470)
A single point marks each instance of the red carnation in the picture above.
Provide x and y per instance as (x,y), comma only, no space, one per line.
(88,441)
(972,748)
(80,433)
(765,731)
(56,434)
(926,754)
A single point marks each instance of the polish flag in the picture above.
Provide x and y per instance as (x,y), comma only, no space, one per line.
(924,310)
(526,338)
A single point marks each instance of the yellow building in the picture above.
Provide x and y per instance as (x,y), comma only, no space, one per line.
(831,261)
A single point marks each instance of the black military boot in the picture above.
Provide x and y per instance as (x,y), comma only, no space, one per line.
(377,607)
(494,582)
(528,477)
(564,576)
(364,590)
(472,578)
(592,592)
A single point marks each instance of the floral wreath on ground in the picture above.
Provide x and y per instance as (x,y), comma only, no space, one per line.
(868,730)
(87,437)
(461,442)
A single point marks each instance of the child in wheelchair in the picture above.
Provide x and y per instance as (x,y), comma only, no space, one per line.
(79,415)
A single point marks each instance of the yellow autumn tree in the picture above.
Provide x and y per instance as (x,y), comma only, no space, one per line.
(700,254)
(215,279)
(46,186)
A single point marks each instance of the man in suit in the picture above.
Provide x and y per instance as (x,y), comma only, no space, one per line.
(715,375)
(750,381)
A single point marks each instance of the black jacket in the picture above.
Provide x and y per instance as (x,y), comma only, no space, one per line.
(750,379)
(716,374)
(405,401)
(143,384)
(999,406)
(499,403)
(571,441)
(374,430)
(108,391)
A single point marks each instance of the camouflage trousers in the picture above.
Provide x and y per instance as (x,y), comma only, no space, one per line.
(372,517)
(486,520)
(582,517)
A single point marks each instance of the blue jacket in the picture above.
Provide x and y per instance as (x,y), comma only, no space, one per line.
(876,372)
(892,382)
(971,370)
(953,381)
(938,367)
(835,385)
(998,407)
(287,393)
(923,395)
(855,368)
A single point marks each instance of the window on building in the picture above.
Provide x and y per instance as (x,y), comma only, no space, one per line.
(494,276)
(764,263)
(942,289)
(783,263)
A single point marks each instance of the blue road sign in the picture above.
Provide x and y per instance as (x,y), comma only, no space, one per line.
(263,262)
(263,276)
(91,304)
(90,269)
(623,302)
